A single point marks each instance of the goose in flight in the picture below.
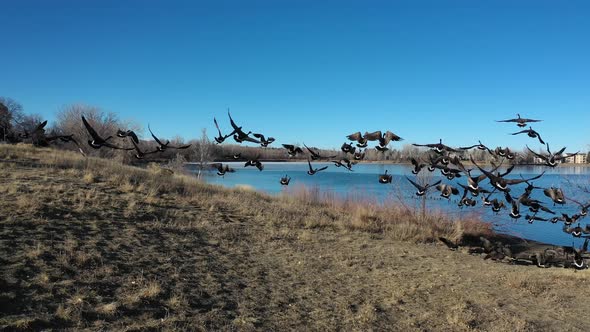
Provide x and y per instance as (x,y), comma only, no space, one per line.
(285,180)
(220,138)
(422,189)
(531,133)
(501,183)
(239,135)
(264,142)
(316,155)
(163,146)
(312,171)
(97,141)
(128,133)
(437,147)
(292,150)
(521,122)
(357,137)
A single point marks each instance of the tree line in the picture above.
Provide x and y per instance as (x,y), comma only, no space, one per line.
(14,121)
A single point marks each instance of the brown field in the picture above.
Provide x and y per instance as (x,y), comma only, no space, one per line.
(92,244)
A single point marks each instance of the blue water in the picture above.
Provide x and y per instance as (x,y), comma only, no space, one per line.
(363,183)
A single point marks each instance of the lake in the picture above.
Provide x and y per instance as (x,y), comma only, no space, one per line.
(363,182)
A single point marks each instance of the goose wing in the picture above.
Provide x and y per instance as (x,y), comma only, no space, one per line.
(313,153)
(419,187)
(517,181)
(355,136)
(372,136)
(91,130)
(217,126)
(154,136)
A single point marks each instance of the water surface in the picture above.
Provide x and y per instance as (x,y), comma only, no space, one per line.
(363,182)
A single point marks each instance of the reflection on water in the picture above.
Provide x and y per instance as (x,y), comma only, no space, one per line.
(362,184)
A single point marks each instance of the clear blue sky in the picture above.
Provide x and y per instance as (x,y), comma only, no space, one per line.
(309,71)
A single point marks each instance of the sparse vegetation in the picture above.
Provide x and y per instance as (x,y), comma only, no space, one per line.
(88,243)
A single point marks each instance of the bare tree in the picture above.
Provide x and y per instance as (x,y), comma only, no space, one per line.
(69,121)
(203,148)
(11,112)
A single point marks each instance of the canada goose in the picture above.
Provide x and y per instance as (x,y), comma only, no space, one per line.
(163,146)
(499,252)
(66,139)
(255,162)
(437,147)
(343,162)
(555,220)
(515,210)
(531,133)
(568,220)
(477,191)
(574,231)
(292,150)
(417,166)
(264,142)
(97,141)
(381,148)
(316,155)
(359,155)
(312,171)
(556,195)
(521,122)
(497,205)
(551,159)
(138,153)
(128,133)
(347,148)
(239,135)
(501,183)
(486,244)
(221,169)
(237,156)
(422,189)
(221,138)
(466,201)
(446,190)
(479,146)
(578,260)
(388,137)
(385,178)
(449,243)
(503,152)
(446,171)
(535,205)
(285,180)
(361,141)
(534,217)
(486,199)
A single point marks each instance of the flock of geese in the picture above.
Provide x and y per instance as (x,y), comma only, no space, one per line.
(448,160)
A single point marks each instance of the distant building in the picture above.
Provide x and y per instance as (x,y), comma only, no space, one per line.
(577,159)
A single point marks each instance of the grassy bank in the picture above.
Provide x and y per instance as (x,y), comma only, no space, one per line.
(92,244)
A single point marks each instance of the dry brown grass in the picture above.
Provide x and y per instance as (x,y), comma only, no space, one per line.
(138,249)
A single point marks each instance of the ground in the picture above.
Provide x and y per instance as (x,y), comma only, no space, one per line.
(91,245)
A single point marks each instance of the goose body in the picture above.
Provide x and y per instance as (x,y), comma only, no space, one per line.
(385,178)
